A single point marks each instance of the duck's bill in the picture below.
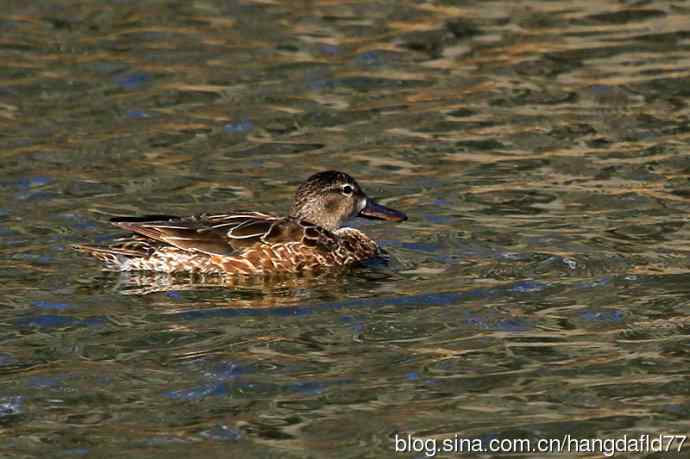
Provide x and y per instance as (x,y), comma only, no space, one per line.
(376,211)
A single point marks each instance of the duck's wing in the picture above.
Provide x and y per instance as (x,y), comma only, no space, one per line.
(226,234)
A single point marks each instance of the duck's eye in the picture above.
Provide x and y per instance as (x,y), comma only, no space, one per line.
(347,190)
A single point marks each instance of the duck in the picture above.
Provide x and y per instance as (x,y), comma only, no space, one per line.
(312,237)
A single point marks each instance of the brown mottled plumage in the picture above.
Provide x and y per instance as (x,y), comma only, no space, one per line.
(252,242)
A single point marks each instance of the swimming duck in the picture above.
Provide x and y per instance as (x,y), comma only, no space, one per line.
(310,238)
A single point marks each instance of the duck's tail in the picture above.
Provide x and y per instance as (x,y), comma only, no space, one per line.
(117,256)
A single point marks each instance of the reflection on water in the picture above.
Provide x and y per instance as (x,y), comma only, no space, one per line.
(539,288)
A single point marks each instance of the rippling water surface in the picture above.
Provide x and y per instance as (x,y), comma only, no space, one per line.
(541,286)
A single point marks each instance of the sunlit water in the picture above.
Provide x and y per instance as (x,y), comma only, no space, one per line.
(541,286)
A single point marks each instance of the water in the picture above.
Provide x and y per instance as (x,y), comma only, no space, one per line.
(540,287)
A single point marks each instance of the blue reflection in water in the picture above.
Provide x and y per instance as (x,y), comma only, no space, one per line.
(242,389)
(238,127)
(137,114)
(226,376)
(55,321)
(477,322)
(436,219)
(528,286)
(46,382)
(7,359)
(132,80)
(356,324)
(27,183)
(513,325)
(222,432)
(329,49)
(104,238)
(433,299)
(370,58)
(605,315)
(197,393)
(228,370)
(49,305)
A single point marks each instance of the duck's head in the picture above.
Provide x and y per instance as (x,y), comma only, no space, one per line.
(330,198)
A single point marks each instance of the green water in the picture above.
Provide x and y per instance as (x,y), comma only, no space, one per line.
(540,288)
